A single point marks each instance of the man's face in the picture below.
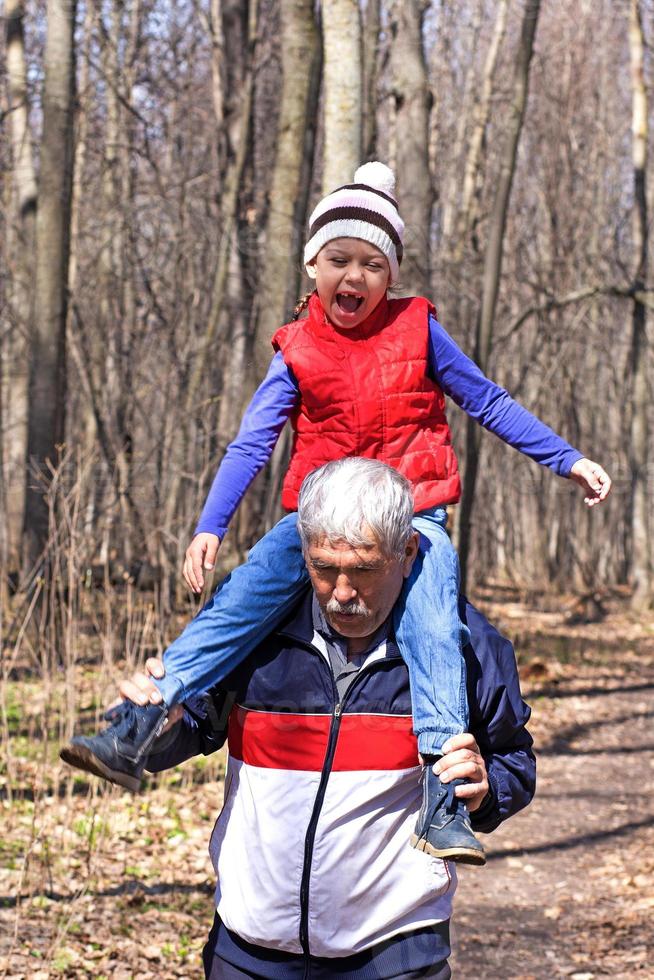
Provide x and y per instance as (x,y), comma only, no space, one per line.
(356,588)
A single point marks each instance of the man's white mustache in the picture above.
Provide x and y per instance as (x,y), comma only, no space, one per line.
(354,608)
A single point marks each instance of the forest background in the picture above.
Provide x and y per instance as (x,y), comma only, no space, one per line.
(159,161)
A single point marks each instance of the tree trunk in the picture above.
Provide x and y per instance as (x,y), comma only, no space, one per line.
(342,80)
(285,229)
(290,185)
(493,265)
(371,29)
(20,135)
(84,104)
(412,98)
(641,569)
(239,139)
(235,141)
(117,310)
(480,123)
(450,191)
(109,339)
(15,379)
(47,391)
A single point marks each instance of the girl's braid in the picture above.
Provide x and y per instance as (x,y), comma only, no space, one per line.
(302,305)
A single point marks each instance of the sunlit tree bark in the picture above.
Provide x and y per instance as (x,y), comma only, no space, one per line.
(342,87)
(412,107)
(233,118)
(481,118)
(371,29)
(641,569)
(493,261)
(450,191)
(47,391)
(238,138)
(116,299)
(21,245)
(290,187)
(277,293)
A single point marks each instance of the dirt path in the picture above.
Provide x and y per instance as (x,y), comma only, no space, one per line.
(569,887)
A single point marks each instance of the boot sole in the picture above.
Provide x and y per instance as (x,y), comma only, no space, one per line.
(82,758)
(462,855)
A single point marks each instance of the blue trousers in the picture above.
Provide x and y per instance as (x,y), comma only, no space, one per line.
(404,957)
(258,595)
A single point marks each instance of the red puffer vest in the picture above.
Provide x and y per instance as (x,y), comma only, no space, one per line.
(366,392)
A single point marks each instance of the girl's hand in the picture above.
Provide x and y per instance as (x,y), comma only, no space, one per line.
(593,479)
(201,553)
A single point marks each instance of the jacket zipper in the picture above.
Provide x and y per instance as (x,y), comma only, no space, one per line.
(311,830)
(317,806)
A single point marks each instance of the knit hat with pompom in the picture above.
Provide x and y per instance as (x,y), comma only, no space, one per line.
(364,209)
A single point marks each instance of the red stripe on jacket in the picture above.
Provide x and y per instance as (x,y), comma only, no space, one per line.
(282,740)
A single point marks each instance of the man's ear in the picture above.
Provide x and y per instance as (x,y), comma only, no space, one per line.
(410,553)
(311,269)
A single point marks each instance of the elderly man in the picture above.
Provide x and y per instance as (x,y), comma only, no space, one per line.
(315,878)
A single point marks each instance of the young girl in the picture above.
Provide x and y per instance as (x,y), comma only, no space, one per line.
(361,375)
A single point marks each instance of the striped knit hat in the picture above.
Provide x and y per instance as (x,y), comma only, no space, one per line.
(365,209)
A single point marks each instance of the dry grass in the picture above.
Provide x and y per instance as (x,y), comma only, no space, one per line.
(94,882)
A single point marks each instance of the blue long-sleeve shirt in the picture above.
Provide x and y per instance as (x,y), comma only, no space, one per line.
(455,373)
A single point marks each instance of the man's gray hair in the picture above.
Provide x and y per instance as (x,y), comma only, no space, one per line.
(348,498)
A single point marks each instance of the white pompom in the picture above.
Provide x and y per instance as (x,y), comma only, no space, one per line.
(377,175)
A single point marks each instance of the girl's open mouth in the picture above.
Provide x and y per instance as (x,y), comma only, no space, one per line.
(348,303)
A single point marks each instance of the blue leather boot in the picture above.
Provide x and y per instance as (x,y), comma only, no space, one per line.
(443,826)
(118,752)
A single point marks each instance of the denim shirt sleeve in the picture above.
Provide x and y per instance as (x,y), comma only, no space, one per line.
(498,716)
(490,405)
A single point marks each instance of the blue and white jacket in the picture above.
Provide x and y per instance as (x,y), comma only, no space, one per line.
(321,795)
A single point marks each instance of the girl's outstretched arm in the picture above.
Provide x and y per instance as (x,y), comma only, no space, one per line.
(493,407)
(273,403)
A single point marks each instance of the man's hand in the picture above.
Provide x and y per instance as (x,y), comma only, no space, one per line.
(462,759)
(201,553)
(593,480)
(141,689)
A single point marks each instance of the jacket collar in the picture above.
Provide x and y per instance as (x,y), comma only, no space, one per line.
(300,624)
